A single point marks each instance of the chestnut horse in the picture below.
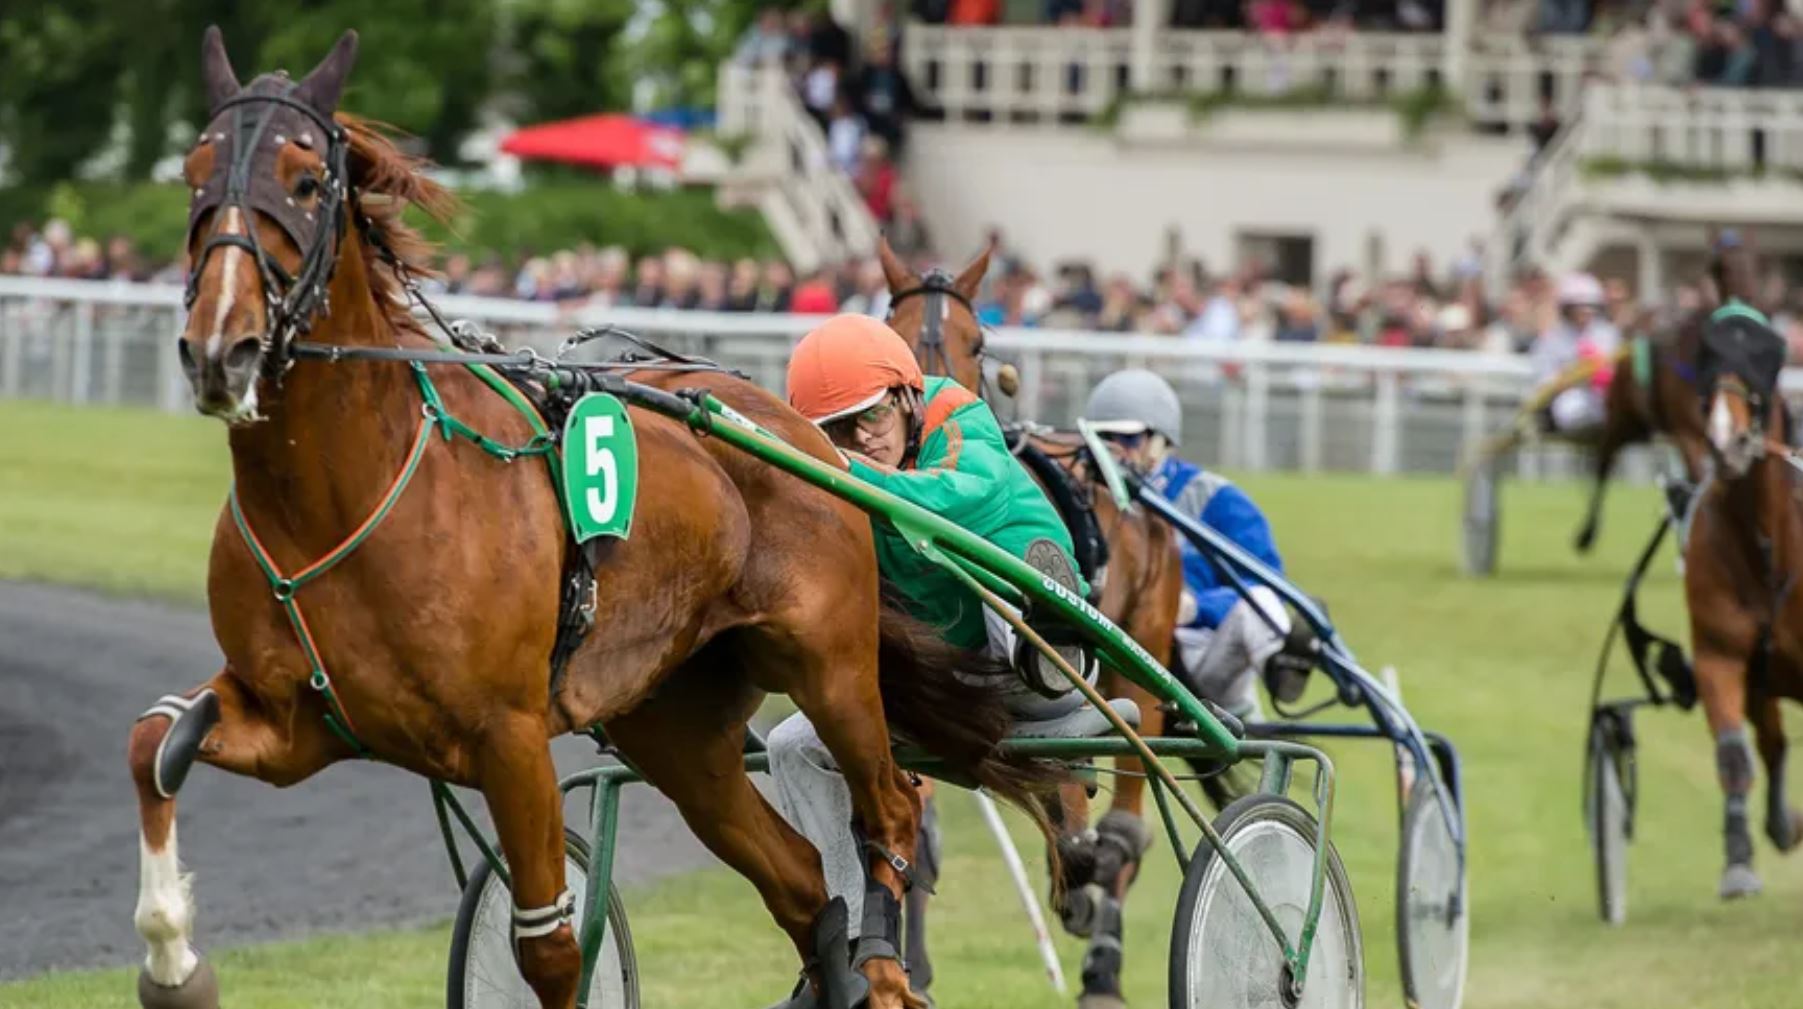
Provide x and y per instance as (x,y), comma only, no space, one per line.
(1141,592)
(427,635)
(1744,559)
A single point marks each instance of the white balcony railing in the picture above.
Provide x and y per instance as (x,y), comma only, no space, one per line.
(1067,74)
(1732,132)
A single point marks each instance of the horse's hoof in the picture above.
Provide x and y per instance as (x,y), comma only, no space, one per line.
(1097,1000)
(1785,831)
(1079,909)
(1739,881)
(200,991)
(1585,539)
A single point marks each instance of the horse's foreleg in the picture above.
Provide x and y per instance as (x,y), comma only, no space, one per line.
(519,784)
(1593,514)
(218,724)
(1783,824)
(1721,684)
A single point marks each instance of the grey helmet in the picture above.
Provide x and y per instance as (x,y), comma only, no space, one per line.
(1135,401)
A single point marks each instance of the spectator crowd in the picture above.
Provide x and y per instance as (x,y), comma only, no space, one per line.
(1428,305)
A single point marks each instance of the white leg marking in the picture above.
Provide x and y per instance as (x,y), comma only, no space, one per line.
(165,915)
(228,283)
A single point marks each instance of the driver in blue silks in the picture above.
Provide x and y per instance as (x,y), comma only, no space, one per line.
(1223,642)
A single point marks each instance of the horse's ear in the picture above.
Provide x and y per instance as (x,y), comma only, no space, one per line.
(216,68)
(325,85)
(898,276)
(972,277)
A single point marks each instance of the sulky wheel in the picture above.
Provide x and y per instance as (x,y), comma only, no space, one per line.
(483,974)
(1481,519)
(1433,915)
(1606,815)
(1222,954)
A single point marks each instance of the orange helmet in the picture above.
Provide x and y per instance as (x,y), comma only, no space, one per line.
(846,364)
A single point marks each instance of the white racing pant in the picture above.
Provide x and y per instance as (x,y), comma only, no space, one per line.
(1577,410)
(1222,663)
(812,795)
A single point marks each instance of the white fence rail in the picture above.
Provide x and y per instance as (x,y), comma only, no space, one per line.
(1248,405)
(1058,74)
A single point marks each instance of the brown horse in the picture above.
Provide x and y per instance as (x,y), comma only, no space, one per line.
(1743,560)
(1647,398)
(1141,591)
(428,642)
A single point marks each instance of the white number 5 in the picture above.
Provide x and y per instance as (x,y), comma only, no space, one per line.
(602,502)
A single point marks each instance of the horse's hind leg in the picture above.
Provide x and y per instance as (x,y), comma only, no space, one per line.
(223,725)
(1783,823)
(688,739)
(519,784)
(1721,685)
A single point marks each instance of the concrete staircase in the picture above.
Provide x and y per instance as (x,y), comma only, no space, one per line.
(813,210)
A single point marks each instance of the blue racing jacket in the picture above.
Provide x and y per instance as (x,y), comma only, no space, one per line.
(1218,504)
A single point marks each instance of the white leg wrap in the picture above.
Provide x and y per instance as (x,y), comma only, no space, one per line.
(542,921)
(165,914)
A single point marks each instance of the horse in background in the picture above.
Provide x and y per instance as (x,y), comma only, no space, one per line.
(1743,557)
(1141,585)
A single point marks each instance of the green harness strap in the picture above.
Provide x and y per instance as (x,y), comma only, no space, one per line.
(435,415)
(1642,354)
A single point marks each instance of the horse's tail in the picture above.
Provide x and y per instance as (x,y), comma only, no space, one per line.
(942,699)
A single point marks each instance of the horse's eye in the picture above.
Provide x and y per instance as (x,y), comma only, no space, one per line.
(306,187)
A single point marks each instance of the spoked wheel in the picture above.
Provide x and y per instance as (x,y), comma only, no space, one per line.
(1608,767)
(1222,954)
(483,973)
(1433,916)
(1481,519)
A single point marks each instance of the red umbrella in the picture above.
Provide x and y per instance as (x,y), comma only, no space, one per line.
(605,141)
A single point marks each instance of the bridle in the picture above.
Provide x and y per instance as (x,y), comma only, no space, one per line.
(936,286)
(292,301)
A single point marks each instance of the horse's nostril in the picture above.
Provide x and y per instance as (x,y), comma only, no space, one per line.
(185,352)
(243,353)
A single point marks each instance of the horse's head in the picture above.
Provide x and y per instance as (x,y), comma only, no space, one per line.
(937,315)
(267,213)
(1738,365)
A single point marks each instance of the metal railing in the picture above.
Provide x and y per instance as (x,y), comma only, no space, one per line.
(1247,405)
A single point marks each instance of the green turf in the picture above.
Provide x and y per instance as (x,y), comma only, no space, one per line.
(1501,665)
(121,500)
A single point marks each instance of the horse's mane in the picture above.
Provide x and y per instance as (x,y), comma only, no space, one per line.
(380,169)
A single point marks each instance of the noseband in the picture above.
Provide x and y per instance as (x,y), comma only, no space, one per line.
(937,286)
(292,301)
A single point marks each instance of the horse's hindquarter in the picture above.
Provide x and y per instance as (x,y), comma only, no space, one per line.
(665,590)
(720,540)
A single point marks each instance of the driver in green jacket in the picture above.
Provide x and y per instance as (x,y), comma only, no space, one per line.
(931,442)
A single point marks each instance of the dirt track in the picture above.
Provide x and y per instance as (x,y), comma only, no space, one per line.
(355,848)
